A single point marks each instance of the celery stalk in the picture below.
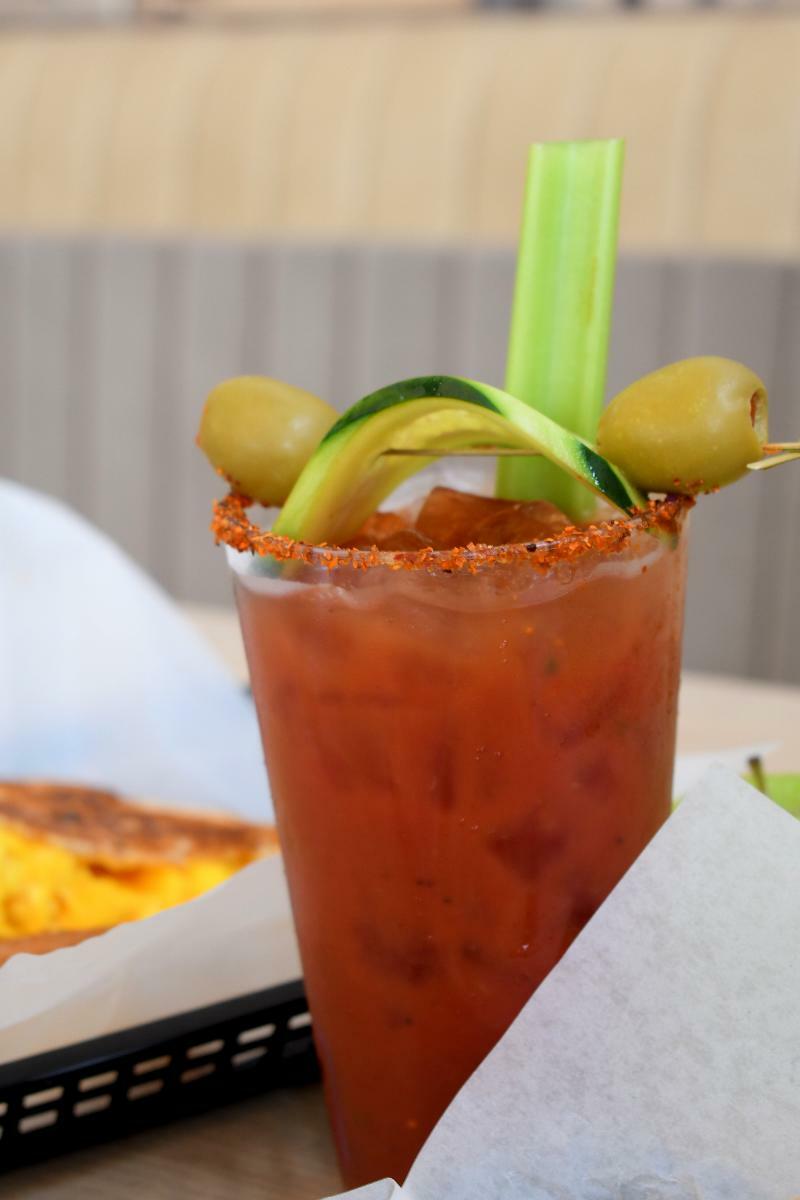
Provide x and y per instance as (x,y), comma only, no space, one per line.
(561,316)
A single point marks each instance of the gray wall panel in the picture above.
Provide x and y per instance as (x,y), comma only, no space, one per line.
(399,313)
(43,356)
(733,309)
(774,646)
(637,334)
(489,292)
(109,346)
(117,415)
(208,346)
(12,307)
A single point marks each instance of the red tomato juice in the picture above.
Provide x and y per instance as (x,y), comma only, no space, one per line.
(463,766)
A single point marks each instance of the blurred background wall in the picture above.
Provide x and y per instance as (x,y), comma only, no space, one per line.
(404,122)
(330,192)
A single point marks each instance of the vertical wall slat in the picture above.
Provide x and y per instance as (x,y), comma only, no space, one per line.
(345,319)
(400,314)
(727,308)
(121,428)
(774,644)
(11,308)
(349,363)
(637,321)
(454,300)
(487,307)
(168,318)
(290,301)
(80,384)
(206,338)
(44,356)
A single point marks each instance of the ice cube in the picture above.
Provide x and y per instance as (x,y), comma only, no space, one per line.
(389,531)
(451,518)
(405,539)
(377,528)
(523,521)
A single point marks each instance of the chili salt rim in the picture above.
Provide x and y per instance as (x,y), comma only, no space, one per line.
(230,524)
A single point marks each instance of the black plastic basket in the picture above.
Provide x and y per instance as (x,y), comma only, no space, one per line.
(111,1086)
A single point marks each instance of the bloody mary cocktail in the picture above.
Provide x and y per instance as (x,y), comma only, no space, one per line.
(469,716)
(466,750)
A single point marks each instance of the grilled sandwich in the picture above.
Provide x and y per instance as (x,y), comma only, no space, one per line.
(75,861)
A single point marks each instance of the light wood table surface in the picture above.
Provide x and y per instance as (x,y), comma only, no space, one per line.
(277,1147)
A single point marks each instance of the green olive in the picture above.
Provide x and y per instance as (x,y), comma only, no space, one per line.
(260,433)
(688,427)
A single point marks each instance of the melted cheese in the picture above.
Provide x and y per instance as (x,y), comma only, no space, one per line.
(45,888)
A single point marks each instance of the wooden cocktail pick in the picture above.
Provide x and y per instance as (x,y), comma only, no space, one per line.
(775,454)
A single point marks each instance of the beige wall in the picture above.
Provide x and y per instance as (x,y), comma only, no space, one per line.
(409,128)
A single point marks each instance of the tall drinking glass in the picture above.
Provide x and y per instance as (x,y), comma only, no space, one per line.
(466,752)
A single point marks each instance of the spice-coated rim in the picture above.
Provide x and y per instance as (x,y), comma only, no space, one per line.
(231,524)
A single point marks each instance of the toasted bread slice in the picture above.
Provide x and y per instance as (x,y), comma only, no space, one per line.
(91,822)
(75,861)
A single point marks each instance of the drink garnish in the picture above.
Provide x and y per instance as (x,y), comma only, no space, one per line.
(259,433)
(783,788)
(689,427)
(775,454)
(350,473)
(561,315)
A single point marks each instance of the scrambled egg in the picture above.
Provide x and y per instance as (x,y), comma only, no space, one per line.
(45,888)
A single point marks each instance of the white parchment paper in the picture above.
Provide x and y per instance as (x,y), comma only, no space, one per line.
(660,1060)
(103,681)
(229,942)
